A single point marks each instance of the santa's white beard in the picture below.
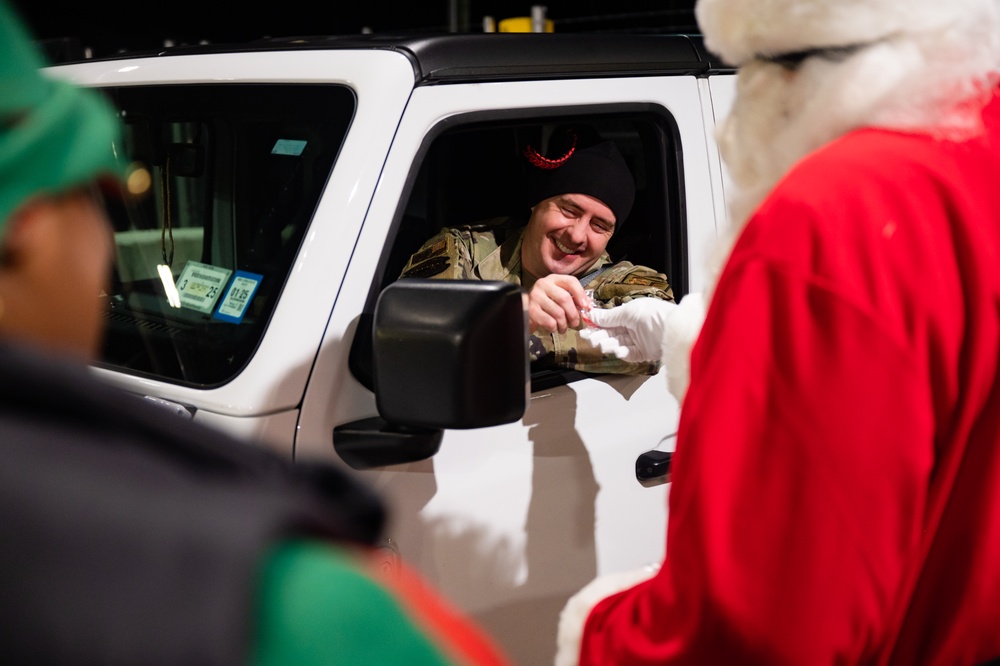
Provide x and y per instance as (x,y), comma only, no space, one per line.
(781,116)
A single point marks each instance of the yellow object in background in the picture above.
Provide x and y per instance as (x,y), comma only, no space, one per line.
(523,24)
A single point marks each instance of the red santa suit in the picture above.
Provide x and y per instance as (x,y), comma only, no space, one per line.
(836,483)
(836,493)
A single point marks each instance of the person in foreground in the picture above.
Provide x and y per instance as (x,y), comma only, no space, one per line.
(557,256)
(131,535)
(836,480)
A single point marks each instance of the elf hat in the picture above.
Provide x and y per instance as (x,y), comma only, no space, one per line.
(54,136)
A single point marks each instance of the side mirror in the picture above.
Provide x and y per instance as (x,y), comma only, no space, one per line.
(451,353)
(447,354)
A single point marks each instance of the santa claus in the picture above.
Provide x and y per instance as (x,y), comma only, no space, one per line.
(836,483)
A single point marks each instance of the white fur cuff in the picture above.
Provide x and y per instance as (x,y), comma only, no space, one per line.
(679,336)
(574,615)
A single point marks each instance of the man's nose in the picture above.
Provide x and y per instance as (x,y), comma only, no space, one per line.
(578,230)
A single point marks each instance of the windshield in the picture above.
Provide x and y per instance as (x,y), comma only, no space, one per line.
(229,177)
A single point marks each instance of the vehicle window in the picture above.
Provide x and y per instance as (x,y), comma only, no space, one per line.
(234,173)
(476,173)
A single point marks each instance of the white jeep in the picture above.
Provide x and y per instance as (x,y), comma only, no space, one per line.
(287,183)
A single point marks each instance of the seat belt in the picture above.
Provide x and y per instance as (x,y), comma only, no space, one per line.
(592,274)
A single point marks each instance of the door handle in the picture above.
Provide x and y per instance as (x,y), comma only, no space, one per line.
(652,468)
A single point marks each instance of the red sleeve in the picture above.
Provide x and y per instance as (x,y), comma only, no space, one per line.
(797,489)
(454,632)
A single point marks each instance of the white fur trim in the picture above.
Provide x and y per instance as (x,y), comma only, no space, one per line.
(739,30)
(574,615)
(679,336)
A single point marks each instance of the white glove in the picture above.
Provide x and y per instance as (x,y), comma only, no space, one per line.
(637,326)
(600,337)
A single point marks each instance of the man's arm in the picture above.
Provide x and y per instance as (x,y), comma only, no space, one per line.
(624,281)
(615,285)
(450,255)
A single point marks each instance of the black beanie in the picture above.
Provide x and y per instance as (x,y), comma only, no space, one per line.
(598,171)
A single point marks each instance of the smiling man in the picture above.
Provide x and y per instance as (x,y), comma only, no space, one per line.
(557,256)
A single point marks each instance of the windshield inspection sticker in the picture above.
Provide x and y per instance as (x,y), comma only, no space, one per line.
(200,285)
(238,296)
(288,147)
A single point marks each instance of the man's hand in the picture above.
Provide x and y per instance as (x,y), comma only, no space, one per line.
(554,303)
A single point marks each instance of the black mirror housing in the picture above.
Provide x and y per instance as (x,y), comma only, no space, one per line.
(451,353)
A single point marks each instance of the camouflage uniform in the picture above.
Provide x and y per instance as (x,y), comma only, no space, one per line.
(492,251)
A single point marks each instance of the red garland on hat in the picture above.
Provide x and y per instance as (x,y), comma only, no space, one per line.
(542,162)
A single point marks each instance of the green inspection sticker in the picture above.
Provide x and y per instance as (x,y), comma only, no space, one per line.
(200,285)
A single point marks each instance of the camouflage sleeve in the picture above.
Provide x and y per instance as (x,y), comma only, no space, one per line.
(625,281)
(569,350)
(619,284)
(447,255)
(450,255)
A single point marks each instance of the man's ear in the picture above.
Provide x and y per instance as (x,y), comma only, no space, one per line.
(28,232)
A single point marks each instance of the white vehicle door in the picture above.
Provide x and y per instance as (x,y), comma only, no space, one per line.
(509,521)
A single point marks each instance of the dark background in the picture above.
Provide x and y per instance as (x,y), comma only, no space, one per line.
(109,26)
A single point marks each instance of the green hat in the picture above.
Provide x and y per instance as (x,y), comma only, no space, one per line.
(53,135)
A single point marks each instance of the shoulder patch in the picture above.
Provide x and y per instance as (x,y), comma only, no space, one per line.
(428,268)
(647,280)
(438,248)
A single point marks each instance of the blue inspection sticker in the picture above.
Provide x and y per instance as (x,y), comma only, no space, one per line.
(238,296)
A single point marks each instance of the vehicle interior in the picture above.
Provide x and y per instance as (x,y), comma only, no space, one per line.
(475,171)
(233,175)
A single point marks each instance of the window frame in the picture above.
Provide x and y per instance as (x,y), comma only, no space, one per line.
(224,109)
(667,151)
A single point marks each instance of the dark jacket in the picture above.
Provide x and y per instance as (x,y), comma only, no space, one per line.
(132,535)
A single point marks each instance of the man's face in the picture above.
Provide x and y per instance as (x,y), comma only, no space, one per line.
(59,255)
(565,235)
